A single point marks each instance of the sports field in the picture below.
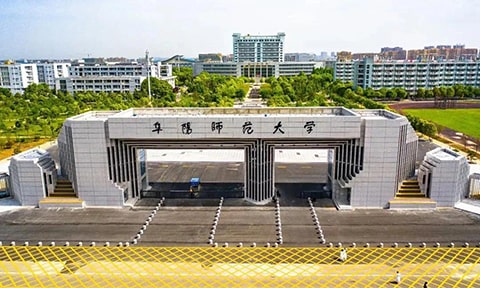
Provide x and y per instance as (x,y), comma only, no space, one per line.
(466,121)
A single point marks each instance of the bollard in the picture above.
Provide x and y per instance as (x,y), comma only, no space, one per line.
(144,227)
(423,245)
(1,244)
(140,232)
(154,212)
(437,245)
(275,245)
(92,244)
(322,241)
(339,245)
(354,245)
(38,244)
(12,243)
(466,245)
(268,245)
(80,244)
(452,245)
(240,244)
(134,241)
(25,243)
(67,244)
(146,223)
(367,245)
(254,244)
(52,243)
(107,244)
(478,244)
(330,245)
(395,245)
(127,244)
(120,244)
(409,245)
(380,245)
(210,241)
(215,244)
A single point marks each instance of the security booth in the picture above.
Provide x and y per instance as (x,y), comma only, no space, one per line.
(4,187)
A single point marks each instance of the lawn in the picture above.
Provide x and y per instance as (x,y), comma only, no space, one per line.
(466,121)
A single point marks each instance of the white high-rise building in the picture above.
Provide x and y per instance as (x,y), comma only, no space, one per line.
(17,77)
(258,48)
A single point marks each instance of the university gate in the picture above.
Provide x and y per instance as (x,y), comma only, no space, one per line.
(373,150)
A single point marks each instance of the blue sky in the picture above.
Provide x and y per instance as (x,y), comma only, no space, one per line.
(81,28)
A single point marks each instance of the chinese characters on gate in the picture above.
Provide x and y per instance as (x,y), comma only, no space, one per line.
(247,127)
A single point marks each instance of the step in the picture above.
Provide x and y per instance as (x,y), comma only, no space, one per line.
(66,185)
(412,203)
(409,186)
(409,189)
(409,194)
(69,190)
(61,202)
(62,195)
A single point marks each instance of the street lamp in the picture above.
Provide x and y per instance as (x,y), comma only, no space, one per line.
(148,75)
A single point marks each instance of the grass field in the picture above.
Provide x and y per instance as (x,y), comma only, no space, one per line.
(466,121)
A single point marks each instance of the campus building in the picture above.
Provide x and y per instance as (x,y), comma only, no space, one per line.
(256,69)
(102,154)
(408,75)
(258,48)
(124,77)
(257,57)
(18,76)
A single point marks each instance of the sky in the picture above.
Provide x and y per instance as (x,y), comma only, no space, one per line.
(62,29)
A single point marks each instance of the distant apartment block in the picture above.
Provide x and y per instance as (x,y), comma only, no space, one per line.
(408,75)
(258,48)
(443,52)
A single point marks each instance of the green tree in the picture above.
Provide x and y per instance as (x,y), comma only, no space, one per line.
(160,89)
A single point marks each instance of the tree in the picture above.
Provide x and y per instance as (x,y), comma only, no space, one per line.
(160,89)
(420,93)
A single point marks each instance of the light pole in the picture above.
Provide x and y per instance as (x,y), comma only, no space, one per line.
(148,75)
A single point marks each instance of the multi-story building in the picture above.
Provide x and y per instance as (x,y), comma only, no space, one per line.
(17,77)
(265,48)
(408,75)
(256,69)
(443,52)
(259,57)
(126,77)
(49,72)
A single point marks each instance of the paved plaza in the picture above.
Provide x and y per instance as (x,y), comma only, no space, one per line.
(190,225)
